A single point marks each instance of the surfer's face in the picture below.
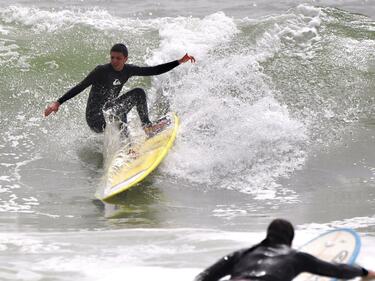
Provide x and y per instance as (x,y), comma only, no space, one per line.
(118,60)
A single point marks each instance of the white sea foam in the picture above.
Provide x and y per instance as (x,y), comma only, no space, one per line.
(4,31)
(173,253)
(193,35)
(9,55)
(43,20)
(234,134)
(10,200)
(357,222)
(40,20)
(299,28)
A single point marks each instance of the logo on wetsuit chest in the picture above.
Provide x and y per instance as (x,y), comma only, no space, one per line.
(116,82)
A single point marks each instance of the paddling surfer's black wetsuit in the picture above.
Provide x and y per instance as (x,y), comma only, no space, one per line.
(274,260)
(104,94)
(275,263)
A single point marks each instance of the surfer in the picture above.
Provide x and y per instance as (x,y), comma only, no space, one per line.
(273,259)
(107,81)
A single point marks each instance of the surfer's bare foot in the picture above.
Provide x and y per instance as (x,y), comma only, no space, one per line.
(152,129)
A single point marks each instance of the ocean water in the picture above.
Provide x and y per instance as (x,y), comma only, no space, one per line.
(277,120)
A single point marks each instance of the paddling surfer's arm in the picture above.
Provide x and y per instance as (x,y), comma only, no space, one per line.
(311,264)
(89,80)
(221,268)
(160,69)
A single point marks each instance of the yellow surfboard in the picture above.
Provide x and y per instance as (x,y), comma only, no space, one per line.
(126,170)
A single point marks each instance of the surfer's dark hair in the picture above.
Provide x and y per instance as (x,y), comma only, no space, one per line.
(280,232)
(120,48)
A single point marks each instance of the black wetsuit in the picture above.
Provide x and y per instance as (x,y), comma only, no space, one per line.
(275,263)
(106,86)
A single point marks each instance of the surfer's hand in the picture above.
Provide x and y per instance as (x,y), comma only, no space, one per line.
(186,58)
(370,276)
(53,107)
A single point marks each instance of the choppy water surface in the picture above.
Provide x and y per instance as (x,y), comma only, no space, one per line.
(277,121)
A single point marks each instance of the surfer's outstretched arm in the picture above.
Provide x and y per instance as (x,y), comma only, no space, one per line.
(54,106)
(159,69)
(370,275)
(311,264)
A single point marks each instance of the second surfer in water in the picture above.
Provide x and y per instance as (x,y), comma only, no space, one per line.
(273,259)
(107,81)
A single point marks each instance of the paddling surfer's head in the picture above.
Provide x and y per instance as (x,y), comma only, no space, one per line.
(279,232)
(119,56)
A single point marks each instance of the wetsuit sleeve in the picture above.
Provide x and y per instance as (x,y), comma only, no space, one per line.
(81,86)
(311,264)
(219,269)
(153,70)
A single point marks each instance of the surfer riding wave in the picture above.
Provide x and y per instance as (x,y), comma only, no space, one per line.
(107,81)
